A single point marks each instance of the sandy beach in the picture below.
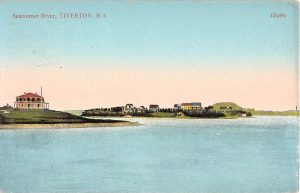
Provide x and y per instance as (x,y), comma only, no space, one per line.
(66,125)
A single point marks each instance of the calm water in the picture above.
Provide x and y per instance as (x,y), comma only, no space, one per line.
(164,155)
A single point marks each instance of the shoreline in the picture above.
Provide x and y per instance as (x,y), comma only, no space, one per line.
(185,117)
(65,125)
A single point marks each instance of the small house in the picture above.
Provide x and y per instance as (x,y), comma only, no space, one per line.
(154,108)
(196,106)
(177,107)
(179,114)
(141,109)
(129,108)
(186,106)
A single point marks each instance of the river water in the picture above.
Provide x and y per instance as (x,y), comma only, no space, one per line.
(162,155)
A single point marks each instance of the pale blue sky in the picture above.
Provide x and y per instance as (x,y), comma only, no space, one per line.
(177,34)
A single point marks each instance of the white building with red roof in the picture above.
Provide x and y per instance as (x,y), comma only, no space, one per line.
(30,101)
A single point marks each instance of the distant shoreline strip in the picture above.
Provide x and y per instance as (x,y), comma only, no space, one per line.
(65,125)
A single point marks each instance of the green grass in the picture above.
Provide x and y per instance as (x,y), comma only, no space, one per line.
(43,117)
(162,114)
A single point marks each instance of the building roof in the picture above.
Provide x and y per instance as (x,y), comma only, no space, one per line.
(196,104)
(29,95)
(153,106)
(186,104)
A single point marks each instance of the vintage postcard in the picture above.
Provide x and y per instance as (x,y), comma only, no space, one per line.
(143,96)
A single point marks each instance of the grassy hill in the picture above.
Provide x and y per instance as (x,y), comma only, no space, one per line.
(232,105)
(44,117)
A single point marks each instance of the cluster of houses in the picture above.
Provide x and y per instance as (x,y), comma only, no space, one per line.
(130,108)
(188,106)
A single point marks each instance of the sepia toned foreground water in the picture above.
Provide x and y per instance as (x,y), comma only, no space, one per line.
(164,155)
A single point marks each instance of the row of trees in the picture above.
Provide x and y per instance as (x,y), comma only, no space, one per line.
(204,114)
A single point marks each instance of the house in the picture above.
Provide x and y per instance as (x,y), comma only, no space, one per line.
(177,107)
(179,114)
(6,107)
(196,106)
(129,108)
(141,109)
(30,101)
(153,108)
(186,106)
(244,114)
